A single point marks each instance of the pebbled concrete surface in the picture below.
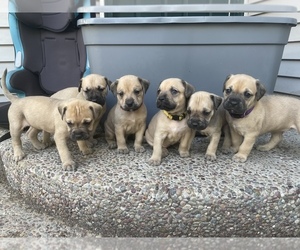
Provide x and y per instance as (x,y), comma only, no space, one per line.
(121,195)
(18,218)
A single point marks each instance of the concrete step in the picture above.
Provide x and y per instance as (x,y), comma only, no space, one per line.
(121,195)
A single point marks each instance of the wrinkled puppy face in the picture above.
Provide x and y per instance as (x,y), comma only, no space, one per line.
(79,116)
(201,108)
(172,95)
(241,92)
(130,91)
(94,88)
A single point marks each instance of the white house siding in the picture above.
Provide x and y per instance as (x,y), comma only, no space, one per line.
(6,46)
(288,80)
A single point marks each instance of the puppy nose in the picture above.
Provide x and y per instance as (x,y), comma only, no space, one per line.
(161,97)
(194,122)
(234,101)
(194,125)
(129,102)
(78,135)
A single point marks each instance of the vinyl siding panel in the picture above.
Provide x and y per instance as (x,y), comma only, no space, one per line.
(292,51)
(288,80)
(287,83)
(6,46)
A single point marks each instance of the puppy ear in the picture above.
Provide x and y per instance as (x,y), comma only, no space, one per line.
(260,90)
(113,87)
(108,82)
(96,109)
(80,85)
(62,110)
(145,83)
(189,89)
(226,79)
(217,100)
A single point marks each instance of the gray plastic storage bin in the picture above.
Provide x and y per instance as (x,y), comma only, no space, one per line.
(201,50)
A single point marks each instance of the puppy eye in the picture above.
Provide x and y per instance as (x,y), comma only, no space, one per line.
(174,91)
(206,113)
(247,94)
(228,91)
(100,88)
(69,123)
(87,122)
(121,94)
(86,90)
(136,91)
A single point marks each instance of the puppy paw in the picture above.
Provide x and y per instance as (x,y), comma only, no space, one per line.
(226,151)
(39,146)
(112,145)
(139,149)
(69,166)
(19,156)
(123,150)
(165,152)
(47,143)
(154,162)
(210,157)
(230,150)
(184,154)
(87,151)
(91,142)
(263,148)
(239,158)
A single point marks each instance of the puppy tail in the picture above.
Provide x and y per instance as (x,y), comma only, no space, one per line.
(6,92)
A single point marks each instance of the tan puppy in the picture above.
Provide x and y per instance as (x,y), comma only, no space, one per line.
(128,116)
(250,114)
(206,115)
(93,88)
(73,118)
(169,125)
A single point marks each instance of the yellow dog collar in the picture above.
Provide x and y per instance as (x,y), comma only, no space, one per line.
(174,117)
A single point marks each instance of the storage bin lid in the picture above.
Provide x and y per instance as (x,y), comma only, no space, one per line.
(188,20)
(173,8)
(187,8)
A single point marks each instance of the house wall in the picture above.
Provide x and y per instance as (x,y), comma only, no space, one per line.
(288,80)
(6,47)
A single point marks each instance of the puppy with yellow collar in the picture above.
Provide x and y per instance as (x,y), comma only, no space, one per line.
(250,114)
(169,125)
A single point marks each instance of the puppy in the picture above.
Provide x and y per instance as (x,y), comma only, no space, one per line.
(250,114)
(129,115)
(169,125)
(206,115)
(93,88)
(73,118)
